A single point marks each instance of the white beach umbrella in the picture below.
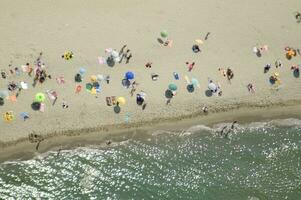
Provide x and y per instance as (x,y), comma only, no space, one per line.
(212,87)
(115,54)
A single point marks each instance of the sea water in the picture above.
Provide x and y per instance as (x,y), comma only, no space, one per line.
(253,162)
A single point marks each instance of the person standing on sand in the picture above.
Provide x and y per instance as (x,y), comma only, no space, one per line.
(128,58)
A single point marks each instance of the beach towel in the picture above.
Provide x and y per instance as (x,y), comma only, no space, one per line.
(187,79)
(24,68)
(101,60)
(13,98)
(60,80)
(42,107)
(78,89)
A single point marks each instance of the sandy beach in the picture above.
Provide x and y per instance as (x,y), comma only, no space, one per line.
(88,28)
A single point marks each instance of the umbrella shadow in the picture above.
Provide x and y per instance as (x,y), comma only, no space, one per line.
(160,40)
(208,93)
(272,81)
(110,61)
(190,88)
(117,109)
(1,101)
(36,106)
(168,94)
(126,83)
(258,54)
(296,73)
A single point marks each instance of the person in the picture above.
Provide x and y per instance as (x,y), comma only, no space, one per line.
(229,74)
(196,48)
(222,71)
(205,109)
(148,65)
(65,104)
(3,74)
(267,67)
(207,35)
(190,66)
(108,79)
(128,58)
(121,51)
(30,69)
(251,87)
(278,63)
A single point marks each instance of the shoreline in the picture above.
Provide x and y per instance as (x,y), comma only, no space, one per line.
(22,149)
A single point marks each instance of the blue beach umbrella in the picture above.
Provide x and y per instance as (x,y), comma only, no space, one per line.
(129,75)
(194,82)
(82,71)
(24,115)
(172,87)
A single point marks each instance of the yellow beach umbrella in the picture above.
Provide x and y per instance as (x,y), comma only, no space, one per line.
(93,78)
(121,100)
(93,91)
(199,41)
(8,116)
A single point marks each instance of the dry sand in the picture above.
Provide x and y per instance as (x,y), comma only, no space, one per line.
(89,27)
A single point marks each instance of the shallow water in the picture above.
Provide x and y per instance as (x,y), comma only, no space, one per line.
(255,161)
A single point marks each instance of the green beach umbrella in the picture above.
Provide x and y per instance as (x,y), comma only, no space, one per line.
(172,87)
(89,86)
(40,97)
(164,34)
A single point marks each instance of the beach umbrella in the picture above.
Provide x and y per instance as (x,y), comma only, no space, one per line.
(24,115)
(40,97)
(78,78)
(36,105)
(100,77)
(172,87)
(93,78)
(82,71)
(8,116)
(117,109)
(164,33)
(121,100)
(129,75)
(194,82)
(115,54)
(255,50)
(4,94)
(212,87)
(24,85)
(89,86)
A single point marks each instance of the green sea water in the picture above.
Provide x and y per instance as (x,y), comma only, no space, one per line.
(253,162)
